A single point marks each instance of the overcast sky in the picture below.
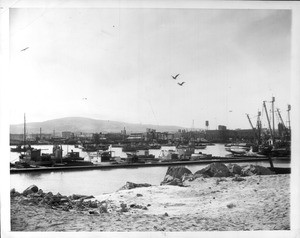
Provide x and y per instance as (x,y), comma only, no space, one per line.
(122,60)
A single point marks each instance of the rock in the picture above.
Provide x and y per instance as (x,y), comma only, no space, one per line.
(231,205)
(103,208)
(66,209)
(49,194)
(214,170)
(238,179)
(175,182)
(159,228)
(41,192)
(78,196)
(55,199)
(166,214)
(130,185)
(14,193)
(220,180)
(255,170)
(188,177)
(124,207)
(58,195)
(175,175)
(65,199)
(139,195)
(92,204)
(178,172)
(138,206)
(93,212)
(168,178)
(234,169)
(30,189)
(195,176)
(79,204)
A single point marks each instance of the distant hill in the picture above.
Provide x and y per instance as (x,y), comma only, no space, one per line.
(80,124)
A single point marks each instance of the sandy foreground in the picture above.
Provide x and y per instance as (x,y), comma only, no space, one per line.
(257,203)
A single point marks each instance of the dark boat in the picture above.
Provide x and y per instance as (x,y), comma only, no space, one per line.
(72,156)
(20,148)
(134,148)
(155,146)
(200,146)
(94,147)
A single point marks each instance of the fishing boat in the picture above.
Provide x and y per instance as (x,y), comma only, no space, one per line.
(167,155)
(25,146)
(237,150)
(33,158)
(272,142)
(200,156)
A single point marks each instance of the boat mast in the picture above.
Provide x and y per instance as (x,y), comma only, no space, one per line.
(279,114)
(255,134)
(281,120)
(24,137)
(269,123)
(273,118)
(258,124)
(289,119)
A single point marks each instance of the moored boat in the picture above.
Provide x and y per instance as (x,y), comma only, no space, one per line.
(20,148)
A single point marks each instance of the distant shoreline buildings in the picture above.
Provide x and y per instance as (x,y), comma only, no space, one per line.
(220,135)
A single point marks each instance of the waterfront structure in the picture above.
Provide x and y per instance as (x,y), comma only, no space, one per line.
(67,134)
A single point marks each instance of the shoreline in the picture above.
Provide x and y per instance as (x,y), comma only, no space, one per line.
(258,202)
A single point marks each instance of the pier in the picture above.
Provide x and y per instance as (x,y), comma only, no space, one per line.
(169,163)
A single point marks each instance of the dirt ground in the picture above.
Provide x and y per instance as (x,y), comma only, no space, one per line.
(205,204)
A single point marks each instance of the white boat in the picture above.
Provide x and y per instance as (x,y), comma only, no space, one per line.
(237,150)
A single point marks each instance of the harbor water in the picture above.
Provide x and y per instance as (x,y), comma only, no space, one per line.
(96,182)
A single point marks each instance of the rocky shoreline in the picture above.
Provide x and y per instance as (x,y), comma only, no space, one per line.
(218,197)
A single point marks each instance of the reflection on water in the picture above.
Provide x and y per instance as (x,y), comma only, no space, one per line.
(95,182)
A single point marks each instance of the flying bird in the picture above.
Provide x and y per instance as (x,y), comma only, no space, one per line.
(84,98)
(25,49)
(174,77)
(181,83)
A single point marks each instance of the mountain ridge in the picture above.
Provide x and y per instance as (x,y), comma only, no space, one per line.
(86,125)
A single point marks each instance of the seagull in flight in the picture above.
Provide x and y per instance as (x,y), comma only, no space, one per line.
(175,77)
(25,49)
(181,83)
(84,98)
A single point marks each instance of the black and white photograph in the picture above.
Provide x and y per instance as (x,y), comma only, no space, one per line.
(154,117)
